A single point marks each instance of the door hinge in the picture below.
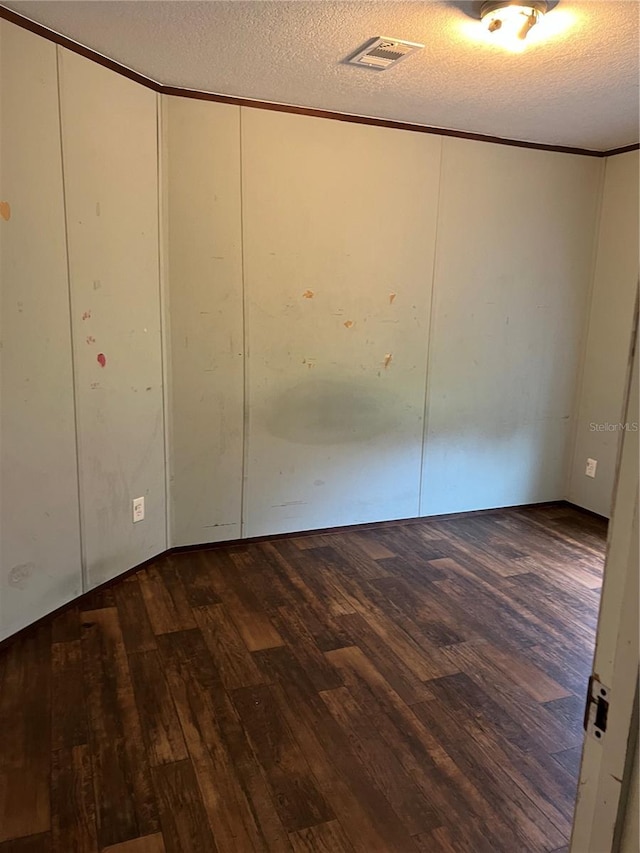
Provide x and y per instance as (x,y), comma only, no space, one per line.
(597,708)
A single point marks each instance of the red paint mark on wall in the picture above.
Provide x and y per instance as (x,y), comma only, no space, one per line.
(101,359)
(91,339)
(5,210)
(86,315)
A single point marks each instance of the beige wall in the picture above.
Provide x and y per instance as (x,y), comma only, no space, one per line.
(513,266)
(358,323)
(80,279)
(205,319)
(39,515)
(487,252)
(111,193)
(630,838)
(602,386)
(339,242)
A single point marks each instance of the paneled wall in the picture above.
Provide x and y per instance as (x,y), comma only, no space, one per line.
(82,390)
(339,238)
(359,323)
(603,381)
(204,307)
(512,279)
(110,154)
(342,226)
(39,524)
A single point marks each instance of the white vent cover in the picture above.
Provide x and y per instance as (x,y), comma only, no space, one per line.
(384,52)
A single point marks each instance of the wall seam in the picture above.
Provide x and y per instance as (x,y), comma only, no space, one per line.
(76,416)
(165,361)
(245,353)
(575,409)
(425,412)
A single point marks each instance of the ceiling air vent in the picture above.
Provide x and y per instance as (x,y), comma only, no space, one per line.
(384,52)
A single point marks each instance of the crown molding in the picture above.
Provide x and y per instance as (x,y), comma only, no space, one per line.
(93,55)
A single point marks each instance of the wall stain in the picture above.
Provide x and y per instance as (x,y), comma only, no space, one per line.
(86,315)
(97,284)
(331,411)
(91,339)
(5,210)
(387,359)
(19,575)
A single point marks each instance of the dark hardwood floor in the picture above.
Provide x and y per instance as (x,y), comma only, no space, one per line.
(403,688)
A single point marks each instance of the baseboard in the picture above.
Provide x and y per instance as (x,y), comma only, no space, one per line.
(365,525)
(209,546)
(585,511)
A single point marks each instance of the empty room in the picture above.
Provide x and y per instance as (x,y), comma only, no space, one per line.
(319,426)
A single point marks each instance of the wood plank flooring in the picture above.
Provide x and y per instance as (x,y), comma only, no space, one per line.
(404,688)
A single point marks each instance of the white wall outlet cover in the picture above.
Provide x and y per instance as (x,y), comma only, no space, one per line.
(138,509)
(592,465)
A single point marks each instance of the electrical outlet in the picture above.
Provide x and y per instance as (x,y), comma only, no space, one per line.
(592,465)
(138,510)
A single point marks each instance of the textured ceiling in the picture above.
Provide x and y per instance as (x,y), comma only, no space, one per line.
(577,86)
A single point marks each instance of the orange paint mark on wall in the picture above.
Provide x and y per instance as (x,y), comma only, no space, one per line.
(5,210)
(308,294)
(392,296)
(348,324)
(387,359)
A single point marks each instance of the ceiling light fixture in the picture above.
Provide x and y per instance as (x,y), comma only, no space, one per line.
(512,21)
